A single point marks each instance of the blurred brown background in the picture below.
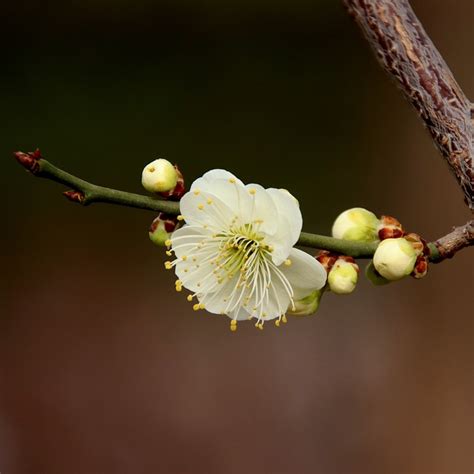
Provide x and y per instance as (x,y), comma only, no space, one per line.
(103,367)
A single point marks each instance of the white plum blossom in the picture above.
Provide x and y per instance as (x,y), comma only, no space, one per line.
(235,252)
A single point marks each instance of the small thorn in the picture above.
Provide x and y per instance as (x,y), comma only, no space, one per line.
(29,160)
(75,196)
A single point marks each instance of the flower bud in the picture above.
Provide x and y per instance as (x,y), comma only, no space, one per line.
(394,259)
(308,305)
(161,229)
(159,176)
(390,228)
(342,278)
(374,276)
(356,224)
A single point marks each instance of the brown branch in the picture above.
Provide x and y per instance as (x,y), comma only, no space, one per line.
(407,53)
(447,246)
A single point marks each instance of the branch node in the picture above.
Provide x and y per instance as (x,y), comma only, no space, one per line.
(75,196)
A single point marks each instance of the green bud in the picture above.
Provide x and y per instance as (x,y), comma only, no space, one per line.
(161,229)
(342,278)
(159,176)
(395,259)
(356,224)
(374,276)
(308,305)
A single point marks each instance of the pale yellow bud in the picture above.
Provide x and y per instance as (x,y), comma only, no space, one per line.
(395,259)
(356,224)
(342,278)
(159,176)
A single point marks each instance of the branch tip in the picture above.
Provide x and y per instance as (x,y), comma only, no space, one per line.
(30,160)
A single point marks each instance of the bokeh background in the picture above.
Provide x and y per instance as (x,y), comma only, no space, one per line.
(103,367)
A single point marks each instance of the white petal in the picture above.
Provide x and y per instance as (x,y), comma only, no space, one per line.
(185,240)
(204,183)
(240,314)
(288,207)
(305,273)
(205,209)
(262,208)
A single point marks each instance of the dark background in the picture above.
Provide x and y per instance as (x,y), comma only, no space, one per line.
(103,367)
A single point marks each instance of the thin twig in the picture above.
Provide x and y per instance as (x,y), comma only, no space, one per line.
(86,193)
(409,56)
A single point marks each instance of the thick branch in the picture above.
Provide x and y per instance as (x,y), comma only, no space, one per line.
(407,53)
(86,193)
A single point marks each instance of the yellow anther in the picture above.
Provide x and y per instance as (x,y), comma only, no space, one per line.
(179,288)
(288,262)
(233,328)
(197,192)
(277,323)
(284,319)
(201,207)
(233,322)
(184,258)
(169,253)
(190,298)
(202,306)
(168,243)
(168,265)
(180,218)
(209,201)
(260,326)
(271,248)
(252,191)
(196,307)
(232,180)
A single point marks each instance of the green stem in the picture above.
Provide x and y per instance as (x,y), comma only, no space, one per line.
(92,193)
(87,193)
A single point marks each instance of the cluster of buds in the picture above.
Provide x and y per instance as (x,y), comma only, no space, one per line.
(162,178)
(343,274)
(398,254)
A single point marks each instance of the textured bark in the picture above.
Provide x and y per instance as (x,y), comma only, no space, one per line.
(407,53)
(459,238)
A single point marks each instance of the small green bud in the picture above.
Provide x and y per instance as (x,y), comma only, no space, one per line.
(342,278)
(161,229)
(307,305)
(159,176)
(356,224)
(394,259)
(374,276)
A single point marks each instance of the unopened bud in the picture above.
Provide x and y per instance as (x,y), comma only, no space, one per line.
(159,176)
(342,278)
(356,224)
(374,276)
(178,191)
(394,259)
(390,228)
(308,305)
(162,228)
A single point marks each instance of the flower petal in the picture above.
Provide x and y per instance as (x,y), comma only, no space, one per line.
(305,273)
(287,207)
(205,210)
(262,209)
